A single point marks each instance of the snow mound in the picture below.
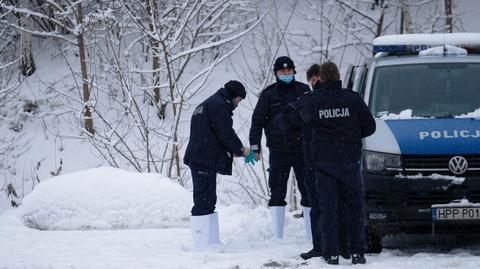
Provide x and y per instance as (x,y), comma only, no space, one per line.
(244,227)
(106,198)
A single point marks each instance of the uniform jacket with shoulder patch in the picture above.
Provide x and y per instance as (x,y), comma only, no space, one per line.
(213,142)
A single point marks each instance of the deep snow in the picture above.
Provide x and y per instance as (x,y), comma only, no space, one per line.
(121,201)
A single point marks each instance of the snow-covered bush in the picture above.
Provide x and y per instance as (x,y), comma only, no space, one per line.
(106,198)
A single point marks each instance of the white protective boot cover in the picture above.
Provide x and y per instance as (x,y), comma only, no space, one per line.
(214,238)
(278,221)
(308,222)
(200,226)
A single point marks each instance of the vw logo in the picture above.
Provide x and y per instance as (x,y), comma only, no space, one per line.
(458,165)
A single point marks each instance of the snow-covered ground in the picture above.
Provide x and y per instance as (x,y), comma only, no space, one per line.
(109,218)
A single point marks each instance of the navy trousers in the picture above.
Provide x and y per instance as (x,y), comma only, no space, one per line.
(204,190)
(336,181)
(312,196)
(280,165)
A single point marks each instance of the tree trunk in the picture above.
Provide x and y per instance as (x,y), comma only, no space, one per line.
(83,67)
(27,64)
(448,16)
(380,23)
(151,8)
(406,19)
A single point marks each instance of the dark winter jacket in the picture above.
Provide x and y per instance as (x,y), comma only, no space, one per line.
(213,141)
(307,129)
(272,101)
(338,118)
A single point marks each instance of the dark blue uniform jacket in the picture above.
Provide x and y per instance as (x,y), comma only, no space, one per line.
(306,128)
(338,119)
(272,101)
(213,141)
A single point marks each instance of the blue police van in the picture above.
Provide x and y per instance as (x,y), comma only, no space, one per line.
(421,168)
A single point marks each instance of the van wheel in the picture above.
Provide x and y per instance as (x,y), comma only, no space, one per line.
(374,240)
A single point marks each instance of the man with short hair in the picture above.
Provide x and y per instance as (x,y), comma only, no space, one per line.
(285,146)
(315,81)
(339,119)
(210,150)
(310,216)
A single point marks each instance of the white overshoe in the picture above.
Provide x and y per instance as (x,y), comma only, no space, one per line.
(278,221)
(308,222)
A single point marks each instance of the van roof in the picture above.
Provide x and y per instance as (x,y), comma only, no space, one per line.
(415,59)
(411,44)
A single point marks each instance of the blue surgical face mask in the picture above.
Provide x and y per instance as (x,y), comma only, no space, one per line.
(286,78)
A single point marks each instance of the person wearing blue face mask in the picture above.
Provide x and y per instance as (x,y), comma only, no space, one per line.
(285,146)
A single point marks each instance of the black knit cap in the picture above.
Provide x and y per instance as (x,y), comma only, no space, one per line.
(283,62)
(236,88)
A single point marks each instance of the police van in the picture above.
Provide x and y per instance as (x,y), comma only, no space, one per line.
(421,168)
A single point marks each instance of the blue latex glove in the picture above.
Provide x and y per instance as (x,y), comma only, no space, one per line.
(250,158)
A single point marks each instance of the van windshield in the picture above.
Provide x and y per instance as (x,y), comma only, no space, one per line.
(429,90)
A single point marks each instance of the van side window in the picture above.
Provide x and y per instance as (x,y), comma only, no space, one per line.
(363,82)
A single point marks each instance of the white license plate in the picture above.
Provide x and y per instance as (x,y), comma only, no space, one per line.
(456,213)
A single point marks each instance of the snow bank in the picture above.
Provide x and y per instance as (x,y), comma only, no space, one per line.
(242,226)
(106,198)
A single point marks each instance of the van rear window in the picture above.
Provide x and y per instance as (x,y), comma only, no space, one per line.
(428,90)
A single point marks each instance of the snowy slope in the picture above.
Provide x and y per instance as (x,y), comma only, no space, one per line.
(167,244)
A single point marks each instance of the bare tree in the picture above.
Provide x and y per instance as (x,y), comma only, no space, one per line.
(68,21)
(28,64)
(405,18)
(130,132)
(448,16)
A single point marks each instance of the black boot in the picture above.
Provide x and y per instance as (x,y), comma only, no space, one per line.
(331,259)
(358,259)
(311,254)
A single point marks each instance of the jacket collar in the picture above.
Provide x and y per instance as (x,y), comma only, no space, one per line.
(227,97)
(333,84)
(318,86)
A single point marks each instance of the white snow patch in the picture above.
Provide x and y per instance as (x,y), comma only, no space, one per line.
(245,231)
(458,203)
(403,115)
(106,198)
(475,114)
(441,50)
(454,179)
(429,39)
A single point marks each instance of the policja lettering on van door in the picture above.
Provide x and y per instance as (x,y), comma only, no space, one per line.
(334,113)
(449,134)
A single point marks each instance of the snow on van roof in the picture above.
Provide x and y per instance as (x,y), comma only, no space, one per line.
(443,50)
(429,39)
(411,44)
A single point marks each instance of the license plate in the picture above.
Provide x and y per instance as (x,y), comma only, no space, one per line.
(456,213)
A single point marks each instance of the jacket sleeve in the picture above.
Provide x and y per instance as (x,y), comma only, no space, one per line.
(367,122)
(222,124)
(260,119)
